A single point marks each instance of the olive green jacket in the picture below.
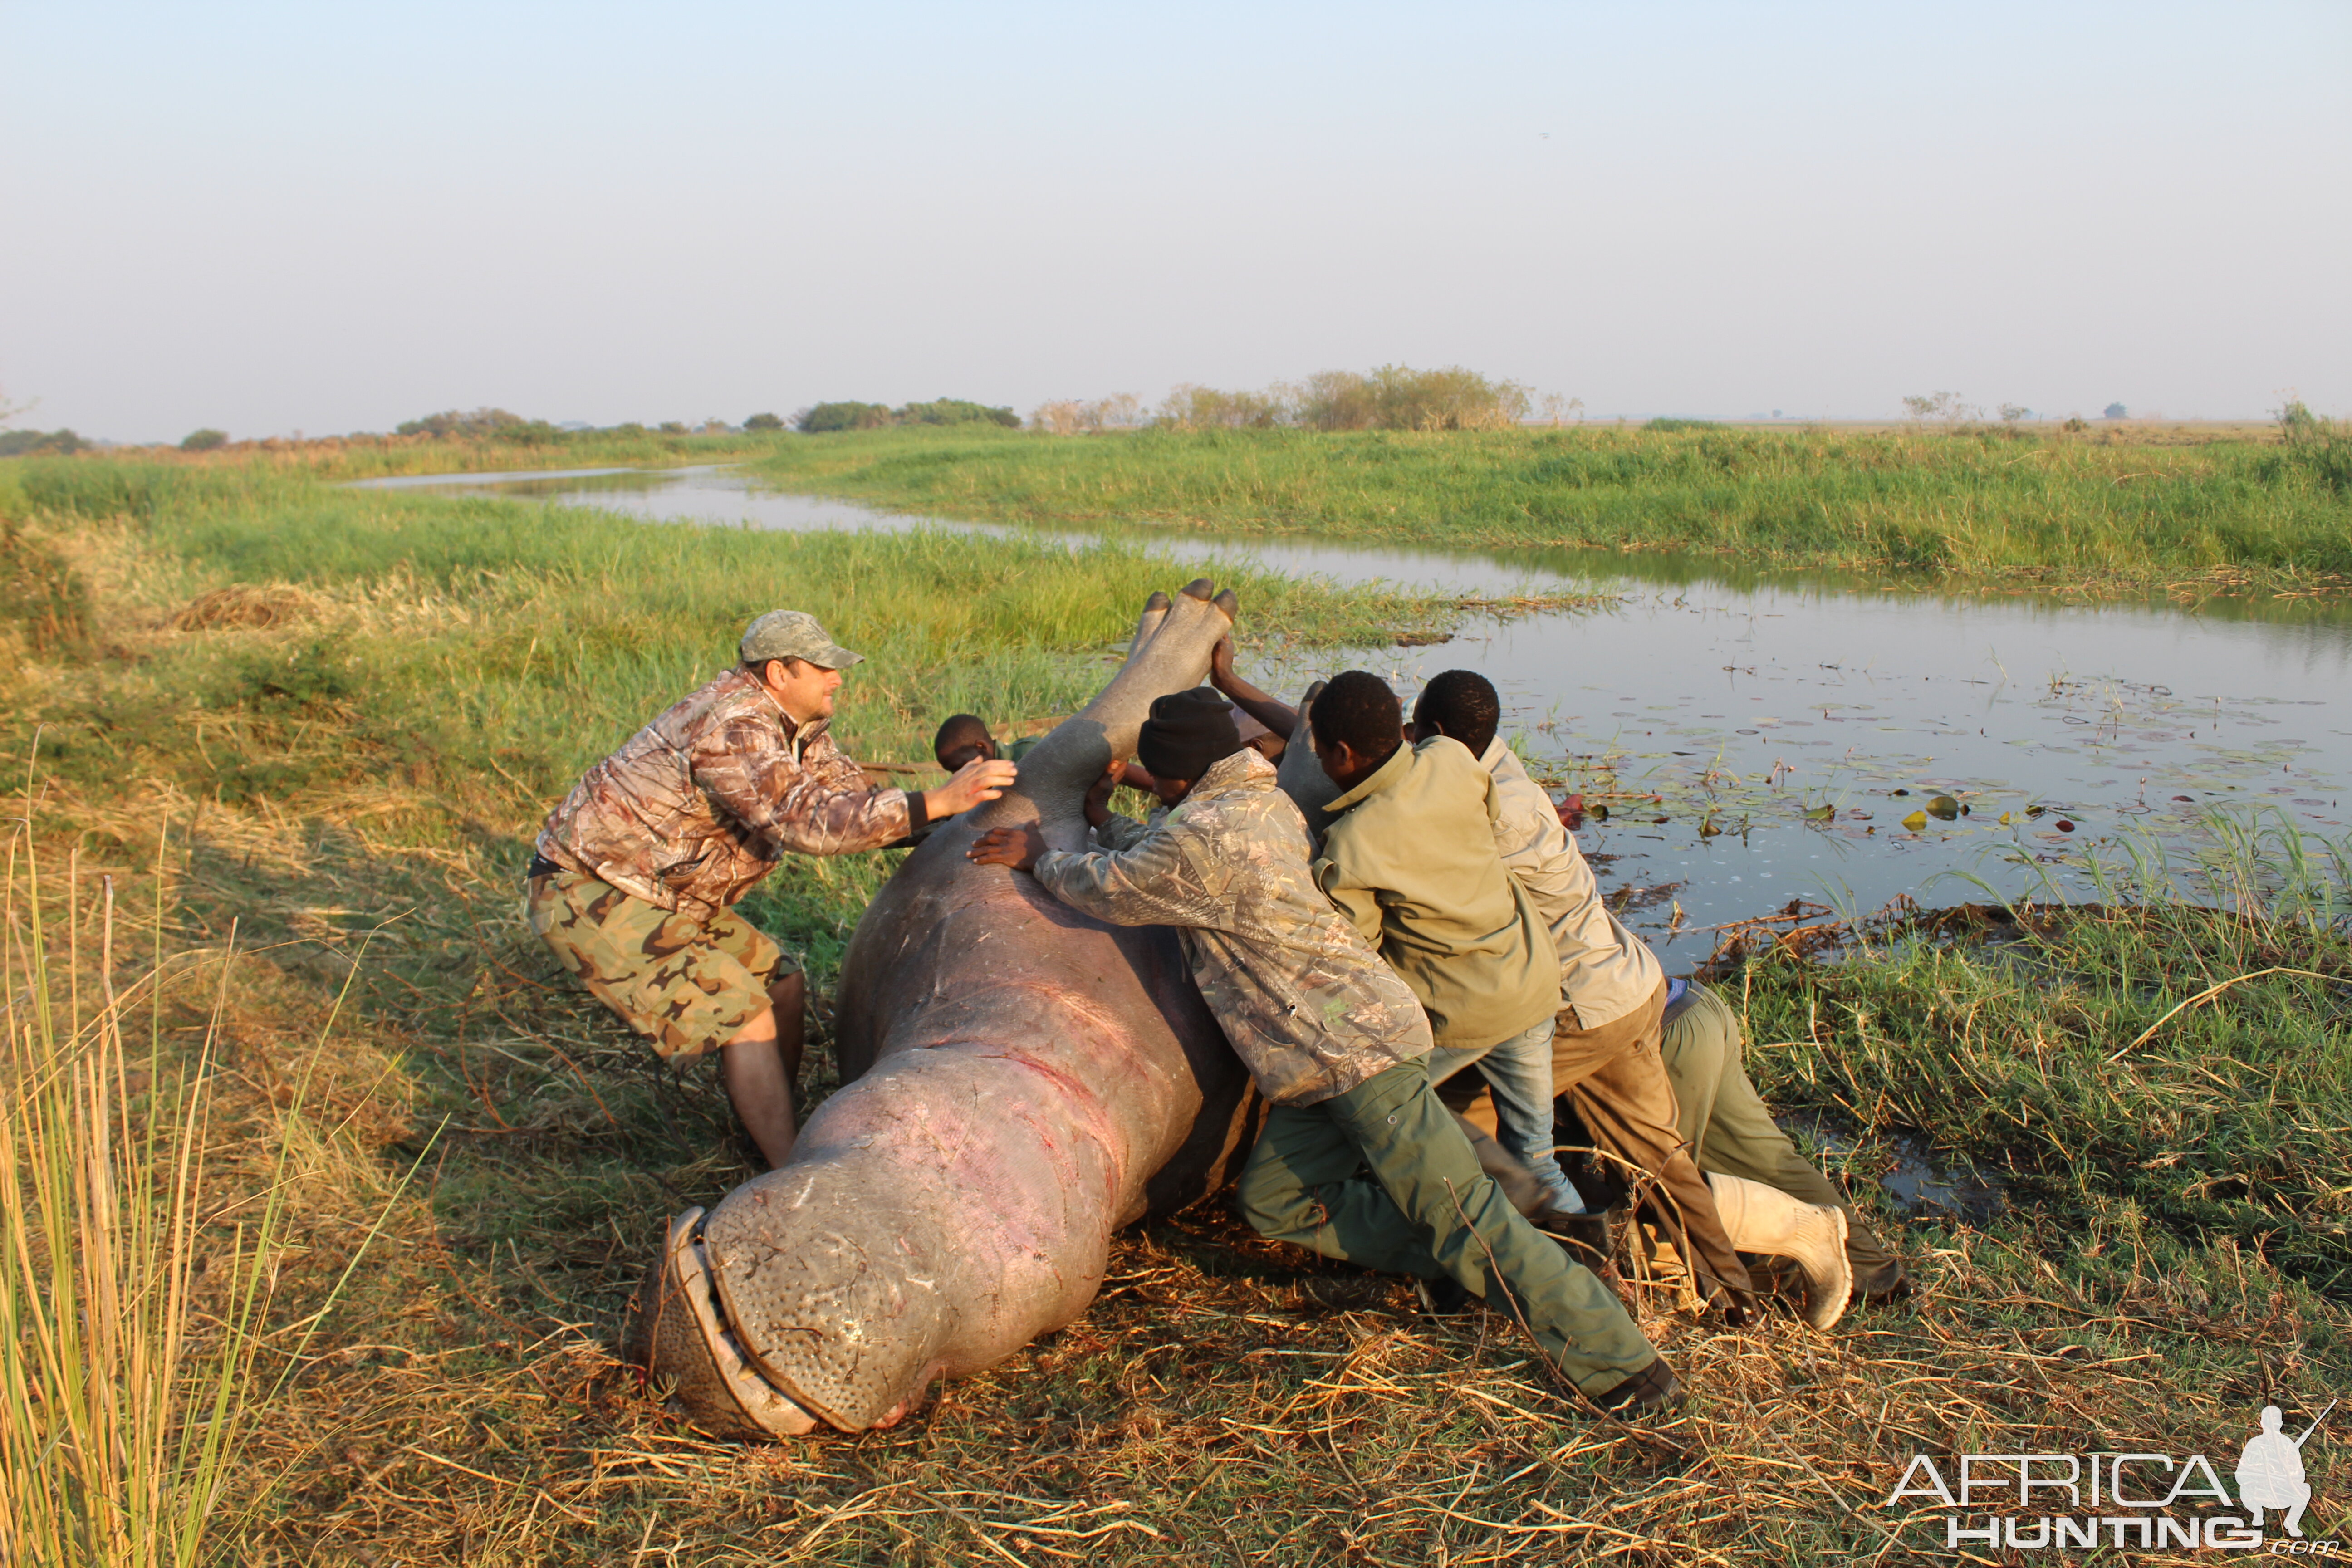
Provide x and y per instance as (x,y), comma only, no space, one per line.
(1410,859)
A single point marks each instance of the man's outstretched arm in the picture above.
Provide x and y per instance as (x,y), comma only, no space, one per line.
(1279,717)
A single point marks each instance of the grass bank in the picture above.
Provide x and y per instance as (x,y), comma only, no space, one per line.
(1992,503)
(313,729)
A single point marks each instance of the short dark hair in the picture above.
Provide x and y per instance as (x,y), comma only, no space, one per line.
(1464,704)
(1358,710)
(960,729)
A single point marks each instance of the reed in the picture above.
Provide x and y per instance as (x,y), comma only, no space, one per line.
(128,1318)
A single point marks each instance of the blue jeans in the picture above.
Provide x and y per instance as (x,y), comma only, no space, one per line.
(1518,1071)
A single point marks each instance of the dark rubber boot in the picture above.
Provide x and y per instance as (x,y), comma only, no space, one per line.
(1884,1285)
(1652,1389)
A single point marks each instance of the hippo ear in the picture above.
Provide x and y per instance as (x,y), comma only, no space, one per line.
(1231,602)
(1200,588)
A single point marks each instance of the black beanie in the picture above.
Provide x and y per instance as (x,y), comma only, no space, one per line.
(1187,733)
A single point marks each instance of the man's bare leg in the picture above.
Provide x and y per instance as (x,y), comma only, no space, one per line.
(754,1070)
(762,1067)
(788,997)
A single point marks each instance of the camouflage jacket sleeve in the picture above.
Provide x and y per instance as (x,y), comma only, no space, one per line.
(817,802)
(1119,832)
(1150,882)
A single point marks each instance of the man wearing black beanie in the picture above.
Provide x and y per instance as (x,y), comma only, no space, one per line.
(1337,1042)
(1187,732)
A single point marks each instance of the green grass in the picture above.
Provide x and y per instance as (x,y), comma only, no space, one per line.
(429,637)
(1976,503)
(324,724)
(2072,1053)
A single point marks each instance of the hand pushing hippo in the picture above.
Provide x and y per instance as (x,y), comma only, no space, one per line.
(1025,1082)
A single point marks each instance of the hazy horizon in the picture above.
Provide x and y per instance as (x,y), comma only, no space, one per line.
(266,218)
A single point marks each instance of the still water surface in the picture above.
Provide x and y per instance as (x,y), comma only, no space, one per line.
(1746,703)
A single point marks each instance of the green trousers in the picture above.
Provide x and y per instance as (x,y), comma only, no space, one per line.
(1728,1128)
(1427,1209)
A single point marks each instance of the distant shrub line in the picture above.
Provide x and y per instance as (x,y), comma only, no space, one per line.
(827,418)
(1393,397)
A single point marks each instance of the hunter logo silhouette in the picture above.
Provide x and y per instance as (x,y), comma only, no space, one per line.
(2270,1472)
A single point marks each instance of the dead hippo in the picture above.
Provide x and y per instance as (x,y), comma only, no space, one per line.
(1025,1082)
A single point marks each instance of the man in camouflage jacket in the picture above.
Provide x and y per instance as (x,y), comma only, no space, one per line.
(639,871)
(1334,1039)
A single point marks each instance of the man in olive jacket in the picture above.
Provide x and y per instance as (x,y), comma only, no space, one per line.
(1411,858)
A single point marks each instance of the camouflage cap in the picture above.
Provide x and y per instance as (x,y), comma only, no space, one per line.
(793,634)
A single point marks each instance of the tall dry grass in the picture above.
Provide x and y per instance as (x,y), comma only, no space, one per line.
(134,1280)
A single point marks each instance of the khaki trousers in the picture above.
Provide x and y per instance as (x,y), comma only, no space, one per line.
(1615,1079)
(1730,1129)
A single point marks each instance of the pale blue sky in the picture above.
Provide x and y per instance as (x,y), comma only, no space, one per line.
(272,217)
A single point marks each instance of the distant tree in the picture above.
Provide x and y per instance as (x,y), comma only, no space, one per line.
(204,440)
(1944,405)
(2012,411)
(1068,416)
(763,422)
(476,425)
(956,411)
(1119,411)
(1189,407)
(1556,408)
(671,427)
(29,443)
(1058,416)
(826,418)
(2115,411)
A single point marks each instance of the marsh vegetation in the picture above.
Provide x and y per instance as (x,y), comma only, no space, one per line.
(1999,502)
(308,732)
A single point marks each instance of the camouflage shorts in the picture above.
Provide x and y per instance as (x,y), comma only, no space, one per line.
(688,985)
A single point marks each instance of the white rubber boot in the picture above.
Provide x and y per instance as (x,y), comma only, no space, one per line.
(1757,1218)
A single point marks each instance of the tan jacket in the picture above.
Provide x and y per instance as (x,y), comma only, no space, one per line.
(700,805)
(1606,970)
(1410,859)
(1308,1004)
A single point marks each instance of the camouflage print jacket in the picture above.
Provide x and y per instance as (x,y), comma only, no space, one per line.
(702,802)
(1306,1001)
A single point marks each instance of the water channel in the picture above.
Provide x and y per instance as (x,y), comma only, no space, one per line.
(1756,739)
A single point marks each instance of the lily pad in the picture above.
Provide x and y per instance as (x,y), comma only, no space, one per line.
(1944,808)
(1820,813)
(1915,821)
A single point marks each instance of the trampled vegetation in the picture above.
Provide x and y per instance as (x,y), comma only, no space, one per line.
(308,734)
